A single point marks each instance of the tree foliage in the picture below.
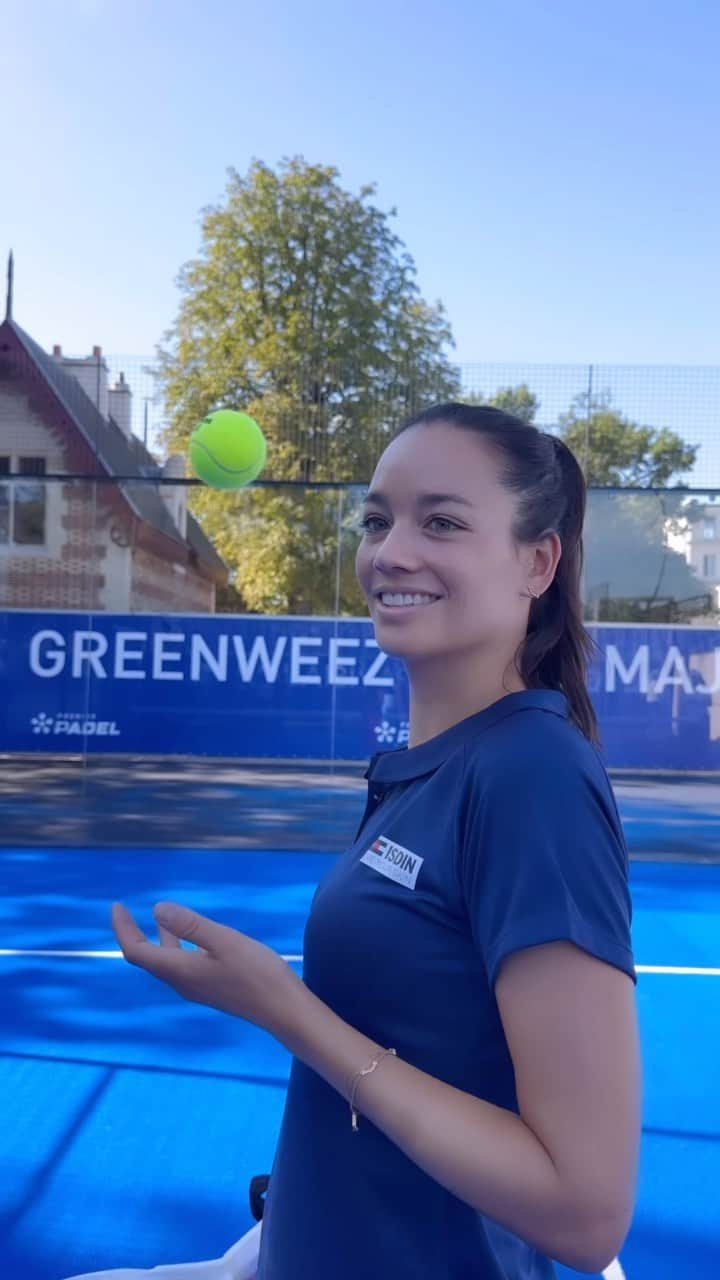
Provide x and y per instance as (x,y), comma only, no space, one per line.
(618,453)
(520,401)
(631,571)
(632,574)
(303,309)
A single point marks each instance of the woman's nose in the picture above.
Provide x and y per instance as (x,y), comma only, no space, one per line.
(398,551)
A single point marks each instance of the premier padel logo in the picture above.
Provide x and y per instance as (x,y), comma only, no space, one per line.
(393,861)
(398,734)
(42,723)
(73,723)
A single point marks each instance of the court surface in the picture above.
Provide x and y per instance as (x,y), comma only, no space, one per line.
(132,1121)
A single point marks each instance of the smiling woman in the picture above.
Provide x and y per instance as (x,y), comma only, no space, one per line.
(465,1031)
(509,531)
(470,564)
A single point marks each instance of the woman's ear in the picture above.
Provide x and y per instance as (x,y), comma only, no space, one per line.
(545,559)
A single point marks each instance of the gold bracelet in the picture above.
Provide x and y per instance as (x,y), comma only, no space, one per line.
(357,1078)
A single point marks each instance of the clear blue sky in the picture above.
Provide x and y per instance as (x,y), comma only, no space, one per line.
(554,164)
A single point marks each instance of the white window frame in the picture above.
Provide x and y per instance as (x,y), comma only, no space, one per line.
(11,548)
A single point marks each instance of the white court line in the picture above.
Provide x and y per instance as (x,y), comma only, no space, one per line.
(657,968)
(83,955)
(117,955)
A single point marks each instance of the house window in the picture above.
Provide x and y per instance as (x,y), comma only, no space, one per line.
(31,466)
(709,569)
(709,530)
(23,514)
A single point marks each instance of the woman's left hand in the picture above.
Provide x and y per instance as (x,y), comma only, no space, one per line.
(230,971)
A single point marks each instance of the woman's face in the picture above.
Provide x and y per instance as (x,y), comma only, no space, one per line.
(438,529)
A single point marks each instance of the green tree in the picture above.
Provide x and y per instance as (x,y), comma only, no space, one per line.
(303,309)
(520,401)
(632,573)
(618,453)
(292,550)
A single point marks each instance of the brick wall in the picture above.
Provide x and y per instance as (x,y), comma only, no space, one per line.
(65,572)
(89,560)
(158,586)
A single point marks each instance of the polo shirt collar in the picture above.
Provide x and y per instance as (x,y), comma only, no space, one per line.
(412,762)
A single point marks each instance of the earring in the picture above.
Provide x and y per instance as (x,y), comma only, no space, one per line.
(533,595)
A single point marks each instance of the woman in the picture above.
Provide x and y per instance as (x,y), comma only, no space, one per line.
(465,1092)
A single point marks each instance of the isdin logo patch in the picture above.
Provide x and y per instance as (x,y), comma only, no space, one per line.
(393,861)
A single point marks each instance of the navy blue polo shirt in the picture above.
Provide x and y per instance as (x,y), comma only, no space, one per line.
(498,834)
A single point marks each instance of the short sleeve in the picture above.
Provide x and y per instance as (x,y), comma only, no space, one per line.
(543,858)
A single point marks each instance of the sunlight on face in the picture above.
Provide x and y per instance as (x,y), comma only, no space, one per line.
(438,523)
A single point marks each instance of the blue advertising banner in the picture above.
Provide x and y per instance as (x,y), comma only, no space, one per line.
(309,688)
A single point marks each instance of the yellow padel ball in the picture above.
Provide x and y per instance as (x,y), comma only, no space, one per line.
(227,449)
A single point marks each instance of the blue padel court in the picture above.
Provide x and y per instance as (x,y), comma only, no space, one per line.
(133,1121)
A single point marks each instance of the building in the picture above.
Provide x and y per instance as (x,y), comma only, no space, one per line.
(698,540)
(130,546)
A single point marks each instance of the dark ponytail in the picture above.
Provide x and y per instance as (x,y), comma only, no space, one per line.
(550,488)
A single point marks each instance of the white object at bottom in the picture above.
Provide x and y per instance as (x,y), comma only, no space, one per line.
(239,1263)
(614,1271)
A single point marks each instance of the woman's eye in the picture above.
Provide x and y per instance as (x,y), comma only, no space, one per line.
(449,524)
(368,524)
